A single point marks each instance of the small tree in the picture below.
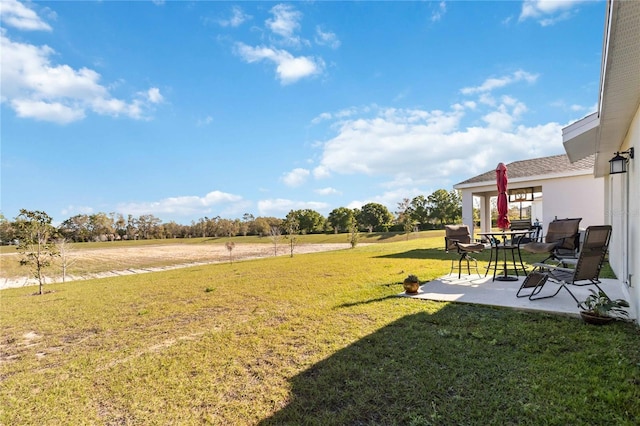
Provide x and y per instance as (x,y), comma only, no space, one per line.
(354,234)
(65,250)
(275,233)
(292,227)
(230,245)
(35,234)
(405,216)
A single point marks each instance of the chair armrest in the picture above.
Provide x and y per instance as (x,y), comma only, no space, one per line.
(446,242)
(553,267)
(569,261)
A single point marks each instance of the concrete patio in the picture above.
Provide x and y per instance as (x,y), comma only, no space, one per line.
(484,291)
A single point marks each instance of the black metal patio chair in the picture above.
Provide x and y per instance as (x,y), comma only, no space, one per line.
(458,237)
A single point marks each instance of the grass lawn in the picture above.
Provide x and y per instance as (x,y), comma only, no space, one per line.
(317,339)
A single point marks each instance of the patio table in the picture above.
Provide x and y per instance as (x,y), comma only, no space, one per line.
(494,239)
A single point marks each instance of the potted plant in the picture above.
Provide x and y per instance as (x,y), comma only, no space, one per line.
(411,284)
(599,308)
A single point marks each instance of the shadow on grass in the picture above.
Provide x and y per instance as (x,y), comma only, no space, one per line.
(462,365)
(366,302)
(440,254)
(419,254)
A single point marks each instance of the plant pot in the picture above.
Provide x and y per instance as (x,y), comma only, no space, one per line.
(411,287)
(590,318)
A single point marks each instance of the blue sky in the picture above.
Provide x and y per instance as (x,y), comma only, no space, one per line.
(191,109)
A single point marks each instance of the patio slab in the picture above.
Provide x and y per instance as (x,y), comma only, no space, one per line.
(483,291)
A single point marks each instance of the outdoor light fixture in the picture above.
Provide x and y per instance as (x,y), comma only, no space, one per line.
(618,164)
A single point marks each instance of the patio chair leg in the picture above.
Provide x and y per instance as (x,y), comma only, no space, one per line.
(524,270)
(490,262)
(579,303)
(475,264)
(537,290)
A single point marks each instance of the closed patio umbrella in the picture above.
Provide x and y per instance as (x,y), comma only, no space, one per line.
(503,208)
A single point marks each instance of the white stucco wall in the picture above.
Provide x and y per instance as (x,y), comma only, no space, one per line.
(577,196)
(622,205)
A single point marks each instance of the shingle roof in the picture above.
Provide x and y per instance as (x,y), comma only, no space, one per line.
(536,167)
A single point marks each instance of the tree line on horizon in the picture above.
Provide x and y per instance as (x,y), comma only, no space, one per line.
(420,213)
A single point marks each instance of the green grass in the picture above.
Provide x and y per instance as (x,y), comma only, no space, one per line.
(316,339)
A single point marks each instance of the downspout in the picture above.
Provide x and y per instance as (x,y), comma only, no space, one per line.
(627,230)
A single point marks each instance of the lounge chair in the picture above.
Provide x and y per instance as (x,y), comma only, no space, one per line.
(562,240)
(586,270)
(457,237)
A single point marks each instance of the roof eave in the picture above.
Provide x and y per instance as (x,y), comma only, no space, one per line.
(572,173)
(580,139)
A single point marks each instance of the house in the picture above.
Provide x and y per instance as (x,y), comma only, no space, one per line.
(615,128)
(584,183)
(568,190)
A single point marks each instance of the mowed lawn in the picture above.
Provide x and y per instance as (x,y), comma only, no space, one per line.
(317,339)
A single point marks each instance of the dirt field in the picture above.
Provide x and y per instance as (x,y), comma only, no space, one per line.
(134,260)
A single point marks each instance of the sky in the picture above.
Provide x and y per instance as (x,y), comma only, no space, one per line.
(193,109)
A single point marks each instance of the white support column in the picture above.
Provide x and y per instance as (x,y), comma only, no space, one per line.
(485,213)
(467,209)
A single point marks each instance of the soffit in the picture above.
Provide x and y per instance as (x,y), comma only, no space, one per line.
(621,83)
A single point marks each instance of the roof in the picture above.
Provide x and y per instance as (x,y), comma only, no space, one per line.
(537,167)
(619,88)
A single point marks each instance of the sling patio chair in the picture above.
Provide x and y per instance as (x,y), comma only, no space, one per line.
(562,240)
(585,271)
(457,237)
(523,225)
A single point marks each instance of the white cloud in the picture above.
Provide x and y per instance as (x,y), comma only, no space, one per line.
(414,148)
(296,177)
(181,206)
(548,12)
(17,15)
(561,104)
(439,12)
(327,191)
(322,117)
(385,141)
(285,22)
(326,38)
(282,31)
(321,172)
(204,121)
(154,96)
(46,111)
(36,88)
(72,210)
(491,84)
(344,113)
(288,67)
(280,207)
(238,17)
(504,116)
